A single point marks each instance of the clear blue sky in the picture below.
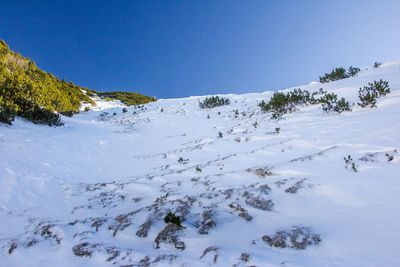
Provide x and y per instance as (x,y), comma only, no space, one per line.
(182,48)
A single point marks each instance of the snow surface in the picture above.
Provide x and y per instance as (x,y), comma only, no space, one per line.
(97,180)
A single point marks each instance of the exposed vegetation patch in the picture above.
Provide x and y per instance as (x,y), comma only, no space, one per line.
(207,222)
(350,163)
(298,237)
(296,187)
(215,250)
(242,212)
(83,250)
(169,235)
(172,218)
(260,203)
(261,172)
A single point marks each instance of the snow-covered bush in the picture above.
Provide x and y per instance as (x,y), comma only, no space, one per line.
(369,94)
(377,64)
(214,101)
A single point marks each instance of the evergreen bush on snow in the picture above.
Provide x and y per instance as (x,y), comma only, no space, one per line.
(172,218)
(283,103)
(330,103)
(336,74)
(214,101)
(369,94)
(352,71)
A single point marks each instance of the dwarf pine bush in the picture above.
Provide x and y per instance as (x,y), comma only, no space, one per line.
(369,94)
(44,116)
(352,71)
(377,64)
(29,92)
(128,98)
(330,103)
(214,101)
(283,103)
(7,112)
(342,105)
(279,103)
(172,218)
(336,74)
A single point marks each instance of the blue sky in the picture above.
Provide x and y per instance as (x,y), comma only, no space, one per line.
(183,48)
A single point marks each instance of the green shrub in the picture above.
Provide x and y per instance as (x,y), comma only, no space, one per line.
(369,94)
(7,112)
(128,98)
(124,110)
(32,93)
(182,160)
(87,109)
(281,103)
(44,116)
(214,101)
(342,105)
(336,74)
(69,113)
(172,218)
(352,71)
(330,103)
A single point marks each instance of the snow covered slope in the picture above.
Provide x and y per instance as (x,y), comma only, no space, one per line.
(95,192)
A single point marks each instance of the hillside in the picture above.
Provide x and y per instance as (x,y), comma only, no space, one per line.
(29,92)
(310,188)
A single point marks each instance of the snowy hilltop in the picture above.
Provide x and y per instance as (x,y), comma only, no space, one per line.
(296,178)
